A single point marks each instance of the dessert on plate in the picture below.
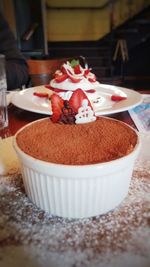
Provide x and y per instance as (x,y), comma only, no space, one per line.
(75,165)
(72,76)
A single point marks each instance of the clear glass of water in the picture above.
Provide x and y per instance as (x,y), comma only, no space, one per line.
(3,92)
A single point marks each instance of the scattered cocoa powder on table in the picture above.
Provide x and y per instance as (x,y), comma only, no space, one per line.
(31,237)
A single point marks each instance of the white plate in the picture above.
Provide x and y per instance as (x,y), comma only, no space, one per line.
(9,96)
(26,100)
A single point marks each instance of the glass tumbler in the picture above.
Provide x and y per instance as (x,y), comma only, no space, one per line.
(3,92)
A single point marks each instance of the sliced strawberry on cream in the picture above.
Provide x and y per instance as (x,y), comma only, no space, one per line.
(46,95)
(56,90)
(77,110)
(77,69)
(72,76)
(58,72)
(62,69)
(118,97)
(76,99)
(57,103)
(71,71)
(74,79)
(42,91)
(86,72)
(60,78)
(91,77)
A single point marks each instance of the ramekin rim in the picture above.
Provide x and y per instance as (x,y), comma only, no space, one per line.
(52,164)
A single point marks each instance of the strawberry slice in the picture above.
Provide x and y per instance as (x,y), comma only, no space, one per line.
(86,72)
(90,91)
(77,69)
(41,94)
(63,70)
(57,103)
(59,90)
(74,79)
(61,78)
(56,90)
(92,79)
(57,72)
(76,99)
(118,98)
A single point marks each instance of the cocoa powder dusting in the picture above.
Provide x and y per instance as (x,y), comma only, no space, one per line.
(99,141)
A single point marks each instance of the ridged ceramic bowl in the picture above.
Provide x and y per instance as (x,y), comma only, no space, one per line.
(76,191)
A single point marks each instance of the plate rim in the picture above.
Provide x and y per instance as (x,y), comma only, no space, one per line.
(117,107)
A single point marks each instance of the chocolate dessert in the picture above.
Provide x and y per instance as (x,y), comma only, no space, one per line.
(79,144)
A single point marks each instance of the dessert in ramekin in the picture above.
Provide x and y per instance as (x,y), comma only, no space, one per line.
(77,171)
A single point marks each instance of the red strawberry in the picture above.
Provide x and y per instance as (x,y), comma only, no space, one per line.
(56,90)
(74,79)
(118,98)
(57,104)
(61,78)
(76,99)
(40,94)
(57,72)
(63,70)
(86,72)
(77,69)
(92,79)
(90,91)
(59,90)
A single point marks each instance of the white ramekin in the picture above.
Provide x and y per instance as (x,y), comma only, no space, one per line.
(76,191)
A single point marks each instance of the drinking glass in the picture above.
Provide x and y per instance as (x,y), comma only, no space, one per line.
(3,91)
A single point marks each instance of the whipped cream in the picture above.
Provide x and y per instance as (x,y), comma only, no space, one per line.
(94,97)
(69,78)
(84,84)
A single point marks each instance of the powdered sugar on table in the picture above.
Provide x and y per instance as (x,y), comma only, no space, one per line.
(31,237)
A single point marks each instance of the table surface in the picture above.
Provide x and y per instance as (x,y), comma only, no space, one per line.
(30,237)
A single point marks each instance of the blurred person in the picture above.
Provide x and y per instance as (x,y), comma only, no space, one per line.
(16,66)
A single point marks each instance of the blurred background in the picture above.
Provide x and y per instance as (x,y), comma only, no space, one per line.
(113,36)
